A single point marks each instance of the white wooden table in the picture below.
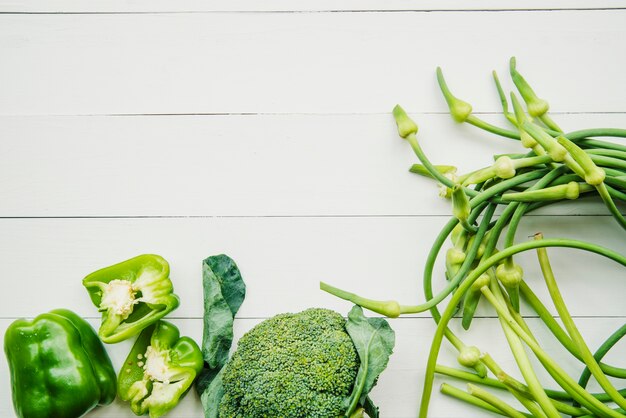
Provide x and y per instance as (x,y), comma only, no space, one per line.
(263,130)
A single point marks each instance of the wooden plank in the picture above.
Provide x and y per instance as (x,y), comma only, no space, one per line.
(261,165)
(303,62)
(399,388)
(117,6)
(283,260)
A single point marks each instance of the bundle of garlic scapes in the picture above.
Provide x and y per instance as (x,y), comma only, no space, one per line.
(480,263)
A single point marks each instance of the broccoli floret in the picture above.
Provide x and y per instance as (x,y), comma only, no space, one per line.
(291,366)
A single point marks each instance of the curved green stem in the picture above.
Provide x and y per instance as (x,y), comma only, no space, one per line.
(392,308)
(494,401)
(521,209)
(518,389)
(610,204)
(562,378)
(595,143)
(465,285)
(359,385)
(594,132)
(454,281)
(473,377)
(389,308)
(559,333)
(449,390)
(417,149)
(616,181)
(572,330)
(616,193)
(494,383)
(617,410)
(517,348)
(505,104)
(610,162)
(550,124)
(468,376)
(600,353)
(516,218)
(479,123)
(502,186)
(607,152)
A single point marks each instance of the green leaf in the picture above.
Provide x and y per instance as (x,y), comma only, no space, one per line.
(212,395)
(374,340)
(370,409)
(224,292)
(205,377)
(227,273)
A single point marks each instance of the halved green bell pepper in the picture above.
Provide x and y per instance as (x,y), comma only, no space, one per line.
(131,295)
(159,370)
(58,366)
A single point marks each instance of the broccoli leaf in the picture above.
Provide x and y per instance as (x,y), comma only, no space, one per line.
(374,340)
(227,273)
(370,409)
(224,292)
(212,395)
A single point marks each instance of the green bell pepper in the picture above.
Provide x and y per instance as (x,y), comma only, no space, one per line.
(58,366)
(131,295)
(159,370)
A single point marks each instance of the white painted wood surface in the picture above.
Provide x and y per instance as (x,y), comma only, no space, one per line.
(303,62)
(184,6)
(195,128)
(240,165)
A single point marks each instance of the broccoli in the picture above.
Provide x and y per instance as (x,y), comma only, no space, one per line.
(312,364)
(291,365)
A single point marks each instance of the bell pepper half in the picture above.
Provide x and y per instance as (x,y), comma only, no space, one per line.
(159,370)
(58,366)
(131,295)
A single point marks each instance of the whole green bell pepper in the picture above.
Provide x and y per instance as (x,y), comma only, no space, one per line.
(131,295)
(58,366)
(159,370)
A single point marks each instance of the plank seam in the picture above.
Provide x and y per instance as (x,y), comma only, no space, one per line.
(70,217)
(325,11)
(220,114)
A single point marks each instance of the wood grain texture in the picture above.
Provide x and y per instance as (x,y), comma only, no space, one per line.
(242,165)
(303,62)
(189,6)
(262,130)
(282,259)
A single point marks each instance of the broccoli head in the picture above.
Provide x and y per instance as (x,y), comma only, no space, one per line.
(291,366)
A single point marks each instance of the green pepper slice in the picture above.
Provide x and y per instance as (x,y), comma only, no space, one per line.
(131,295)
(159,370)
(58,366)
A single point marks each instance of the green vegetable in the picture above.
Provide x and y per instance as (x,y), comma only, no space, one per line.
(159,370)
(58,366)
(292,365)
(212,394)
(308,364)
(131,295)
(374,340)
(224,292)
(558,166)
